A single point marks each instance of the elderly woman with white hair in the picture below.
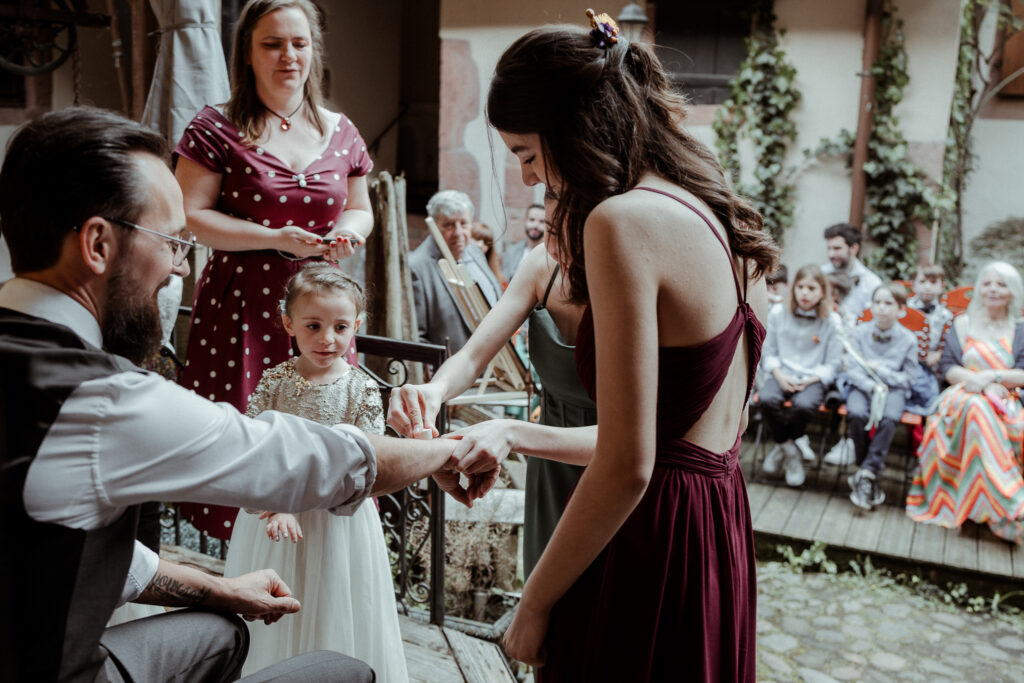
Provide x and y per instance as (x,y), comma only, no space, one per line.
(971,453)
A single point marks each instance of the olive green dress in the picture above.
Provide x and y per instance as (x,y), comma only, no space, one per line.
(564,403)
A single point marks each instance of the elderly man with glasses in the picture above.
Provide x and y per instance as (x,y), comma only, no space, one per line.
(88,436)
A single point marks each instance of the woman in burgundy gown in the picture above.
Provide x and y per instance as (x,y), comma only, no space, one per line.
(270,180)
(650,574)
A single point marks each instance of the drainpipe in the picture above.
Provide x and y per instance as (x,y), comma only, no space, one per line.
(872,35)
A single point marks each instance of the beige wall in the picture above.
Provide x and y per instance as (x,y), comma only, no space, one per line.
(472,156)
(825,42)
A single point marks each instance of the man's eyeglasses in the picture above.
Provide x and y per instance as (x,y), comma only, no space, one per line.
(179,247)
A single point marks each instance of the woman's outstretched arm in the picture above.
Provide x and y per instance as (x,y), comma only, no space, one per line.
(413,407)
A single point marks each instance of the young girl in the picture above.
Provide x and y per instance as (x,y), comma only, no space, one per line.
(340,570)
(880,368)
(801,354)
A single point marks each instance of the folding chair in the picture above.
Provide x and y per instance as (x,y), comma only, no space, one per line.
(956,300)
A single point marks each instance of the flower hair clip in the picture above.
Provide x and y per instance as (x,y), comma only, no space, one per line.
(604,30)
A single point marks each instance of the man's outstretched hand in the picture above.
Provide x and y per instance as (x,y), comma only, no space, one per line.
(449,480)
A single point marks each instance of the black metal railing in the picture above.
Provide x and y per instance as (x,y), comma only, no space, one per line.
(413,518)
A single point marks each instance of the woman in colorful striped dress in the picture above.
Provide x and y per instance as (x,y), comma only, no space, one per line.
(971,454)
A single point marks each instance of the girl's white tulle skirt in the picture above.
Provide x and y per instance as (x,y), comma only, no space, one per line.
(340,573)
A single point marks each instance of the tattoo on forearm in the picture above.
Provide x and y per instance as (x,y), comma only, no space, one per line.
(172,589)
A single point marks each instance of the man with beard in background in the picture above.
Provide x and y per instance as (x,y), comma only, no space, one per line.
(533,226)
(843,241)
(95,225)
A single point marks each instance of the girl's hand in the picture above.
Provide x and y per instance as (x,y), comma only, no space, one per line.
(524,639)
(300,243)
(413,408)
(283,524)
(786,382)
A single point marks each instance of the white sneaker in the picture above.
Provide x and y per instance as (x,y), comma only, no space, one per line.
(804,444)
(773,460)
(841,453)
(793,465)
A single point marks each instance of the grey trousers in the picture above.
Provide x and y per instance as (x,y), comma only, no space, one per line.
(198,645)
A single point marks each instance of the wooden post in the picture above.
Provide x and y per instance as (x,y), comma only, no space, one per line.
(872,36)
(139,89)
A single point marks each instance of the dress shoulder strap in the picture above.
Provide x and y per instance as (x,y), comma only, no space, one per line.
(741,295)
(551,283)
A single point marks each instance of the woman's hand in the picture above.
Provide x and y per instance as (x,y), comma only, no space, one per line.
(341,244)
(300,243)
(977,382)
(413,407)
(483,447)
(998,389)
(524,639)
(282,524)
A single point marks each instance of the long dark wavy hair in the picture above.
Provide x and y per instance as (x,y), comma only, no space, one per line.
(607,116)
(245,110)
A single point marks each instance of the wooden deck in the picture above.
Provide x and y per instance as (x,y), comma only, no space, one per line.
(808,515)
(444,655)
(433,654)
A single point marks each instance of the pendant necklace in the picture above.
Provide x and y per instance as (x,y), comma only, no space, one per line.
(286,121)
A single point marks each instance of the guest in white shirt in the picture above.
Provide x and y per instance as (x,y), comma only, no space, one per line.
(843,243)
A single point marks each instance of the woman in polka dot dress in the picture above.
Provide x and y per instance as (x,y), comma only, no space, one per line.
(271,180)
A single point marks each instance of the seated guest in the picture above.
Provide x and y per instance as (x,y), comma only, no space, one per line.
(483,238)
(843,243)
(778,284)
(929,283)
(970,457)
(439,318)
(801,359)
(839,286)
(515,253)
(881,362)
(98,436)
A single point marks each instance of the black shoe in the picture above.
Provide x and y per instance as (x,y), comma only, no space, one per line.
(863,489)
(877,494)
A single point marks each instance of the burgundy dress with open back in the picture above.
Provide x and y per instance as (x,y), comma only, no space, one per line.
(673,595)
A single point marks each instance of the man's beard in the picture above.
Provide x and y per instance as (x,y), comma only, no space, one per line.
(841,264)
(535,235)
(131,320)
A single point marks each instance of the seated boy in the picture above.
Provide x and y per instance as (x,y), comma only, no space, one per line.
(929,283)
(778,285)
(881,362)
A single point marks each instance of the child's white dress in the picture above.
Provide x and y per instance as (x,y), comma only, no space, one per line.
(339,571)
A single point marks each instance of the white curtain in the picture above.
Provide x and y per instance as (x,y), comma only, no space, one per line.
(190,71)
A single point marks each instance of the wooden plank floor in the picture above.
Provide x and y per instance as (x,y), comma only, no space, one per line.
(444,655)
(779,511)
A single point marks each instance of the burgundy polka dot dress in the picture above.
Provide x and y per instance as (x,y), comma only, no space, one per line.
(236,330)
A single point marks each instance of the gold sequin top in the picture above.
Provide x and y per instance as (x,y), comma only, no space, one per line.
(353,398)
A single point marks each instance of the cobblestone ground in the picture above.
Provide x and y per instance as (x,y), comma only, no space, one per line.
(819,628)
